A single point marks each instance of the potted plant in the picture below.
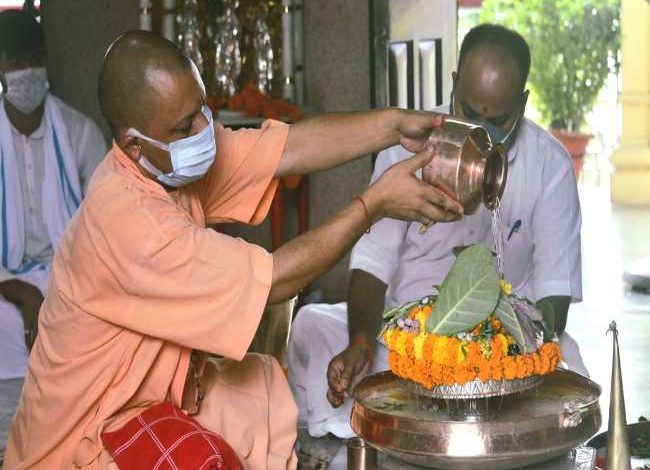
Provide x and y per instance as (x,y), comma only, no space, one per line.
(574,45)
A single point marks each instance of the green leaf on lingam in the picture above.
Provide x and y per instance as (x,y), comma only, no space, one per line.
(468,294)
(508,318)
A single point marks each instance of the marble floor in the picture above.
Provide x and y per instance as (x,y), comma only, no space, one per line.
(612,237)
(9,395)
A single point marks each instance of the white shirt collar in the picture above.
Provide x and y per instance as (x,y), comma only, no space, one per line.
(513,151)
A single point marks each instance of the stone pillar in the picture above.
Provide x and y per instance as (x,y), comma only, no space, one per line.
(77,35)
(337,70)
(631,177)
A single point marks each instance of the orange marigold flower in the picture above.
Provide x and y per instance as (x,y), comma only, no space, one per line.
(409,347)
(497,371)
(484,374)
(400,342)
(521,367)
(453,344)
(432,360)
(509,367)
(440,350)
(418,345)
(473,353)
(421,317)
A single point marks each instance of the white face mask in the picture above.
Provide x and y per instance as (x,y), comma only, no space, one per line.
(26,88)
(191,157)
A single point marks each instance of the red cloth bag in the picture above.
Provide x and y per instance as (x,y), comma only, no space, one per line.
(165,438)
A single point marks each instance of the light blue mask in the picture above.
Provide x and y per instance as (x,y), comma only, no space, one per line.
(497,134)
(191,157)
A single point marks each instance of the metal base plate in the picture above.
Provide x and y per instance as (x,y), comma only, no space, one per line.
(534,426)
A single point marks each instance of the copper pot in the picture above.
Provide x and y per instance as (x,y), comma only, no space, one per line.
(467,165)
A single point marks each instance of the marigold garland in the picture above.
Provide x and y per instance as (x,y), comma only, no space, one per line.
(432,360)
(256,104)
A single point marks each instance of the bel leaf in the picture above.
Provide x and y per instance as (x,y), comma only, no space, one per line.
(468,294)
(508,318)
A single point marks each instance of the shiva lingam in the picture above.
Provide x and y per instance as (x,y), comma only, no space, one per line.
(453,400)
(533,425)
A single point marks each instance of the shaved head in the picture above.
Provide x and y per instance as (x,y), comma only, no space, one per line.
(138,72)
(147,84)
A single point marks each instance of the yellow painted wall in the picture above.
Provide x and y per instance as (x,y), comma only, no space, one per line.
(631,177)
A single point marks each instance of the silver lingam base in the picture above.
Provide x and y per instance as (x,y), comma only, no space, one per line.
(473,389)
(475,400)
(533,426)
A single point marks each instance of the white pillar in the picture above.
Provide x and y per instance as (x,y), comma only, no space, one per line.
(631,177)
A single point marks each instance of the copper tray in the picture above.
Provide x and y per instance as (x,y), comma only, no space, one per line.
(534,426)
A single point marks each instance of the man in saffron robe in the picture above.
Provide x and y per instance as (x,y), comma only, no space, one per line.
(138,282)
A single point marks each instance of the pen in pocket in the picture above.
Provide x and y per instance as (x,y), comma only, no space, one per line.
(514,229)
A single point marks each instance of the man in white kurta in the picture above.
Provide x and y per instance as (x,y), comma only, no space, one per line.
(541,231)
(44,143)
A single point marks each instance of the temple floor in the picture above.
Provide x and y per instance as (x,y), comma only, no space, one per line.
(612,237)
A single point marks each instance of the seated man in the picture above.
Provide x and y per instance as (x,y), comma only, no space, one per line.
(48,153)
(334,346)
(138,282)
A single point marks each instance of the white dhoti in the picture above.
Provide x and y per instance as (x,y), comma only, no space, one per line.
(13,351)
(320,332)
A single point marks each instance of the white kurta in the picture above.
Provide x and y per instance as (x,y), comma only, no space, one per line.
(541,227)
(89,148)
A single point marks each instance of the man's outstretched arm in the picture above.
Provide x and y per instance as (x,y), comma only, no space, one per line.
(331,140)
(398,194)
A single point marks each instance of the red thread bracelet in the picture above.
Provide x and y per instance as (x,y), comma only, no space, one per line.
(361,341)
(365,211)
